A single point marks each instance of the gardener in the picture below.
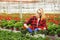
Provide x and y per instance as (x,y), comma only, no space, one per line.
(37,22)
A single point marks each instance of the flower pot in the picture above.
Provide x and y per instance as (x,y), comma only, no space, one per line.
(58,35)
(7,27)
(3,27)
(11,28)
(51,34)
(52,37)
(17,29)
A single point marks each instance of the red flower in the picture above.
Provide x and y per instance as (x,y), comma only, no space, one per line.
(1,17)
(49,20)
(26,19)
(8,18)
(56,22)
(17,18)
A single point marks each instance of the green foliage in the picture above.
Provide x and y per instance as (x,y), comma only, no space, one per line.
(58,26)
(58,31)
(58,18)
(5,35)
(40,32)
(52,33)
(22,22)
(4,23)
(19,24)
(52,28)
(10,24)
(13,21)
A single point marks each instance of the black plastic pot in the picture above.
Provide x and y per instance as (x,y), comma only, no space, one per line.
(58,35)
(17,29)
(2,27)
(51,35)
(12,28)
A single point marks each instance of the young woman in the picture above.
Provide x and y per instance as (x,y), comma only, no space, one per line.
(37,22)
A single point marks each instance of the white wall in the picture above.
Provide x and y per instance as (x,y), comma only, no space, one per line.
(19,7)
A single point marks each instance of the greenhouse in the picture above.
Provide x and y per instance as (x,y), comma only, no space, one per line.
(29,19)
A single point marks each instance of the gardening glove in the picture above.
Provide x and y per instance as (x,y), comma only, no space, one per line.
(30,30)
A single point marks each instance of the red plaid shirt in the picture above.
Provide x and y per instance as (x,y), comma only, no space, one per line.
(33,23)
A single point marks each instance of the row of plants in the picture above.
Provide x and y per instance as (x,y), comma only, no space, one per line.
(53,19)
(53,29)
(9,18)
(53,22)
(9,35)
(11,24)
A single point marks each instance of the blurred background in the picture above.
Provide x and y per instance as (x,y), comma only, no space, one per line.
(22,7)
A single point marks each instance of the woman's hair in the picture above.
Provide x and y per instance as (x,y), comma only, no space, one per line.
(42,12)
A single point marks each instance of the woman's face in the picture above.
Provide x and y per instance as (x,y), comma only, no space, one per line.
(39,13)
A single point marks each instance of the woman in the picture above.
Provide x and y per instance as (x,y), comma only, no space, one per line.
(37,22)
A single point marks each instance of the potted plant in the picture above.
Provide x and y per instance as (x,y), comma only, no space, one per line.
(10,25)
(13,21)
(52,33)
(17,25)
(8,18)
(58,32)
(17,18)
(3,23)
(52,29)
(45,32)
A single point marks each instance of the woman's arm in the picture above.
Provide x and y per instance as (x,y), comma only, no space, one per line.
(25,25)
(44,21)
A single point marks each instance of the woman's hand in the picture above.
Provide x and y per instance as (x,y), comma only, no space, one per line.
(44,28)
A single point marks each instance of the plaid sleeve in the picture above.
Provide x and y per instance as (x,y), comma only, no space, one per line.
(28,22)
(44,23)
